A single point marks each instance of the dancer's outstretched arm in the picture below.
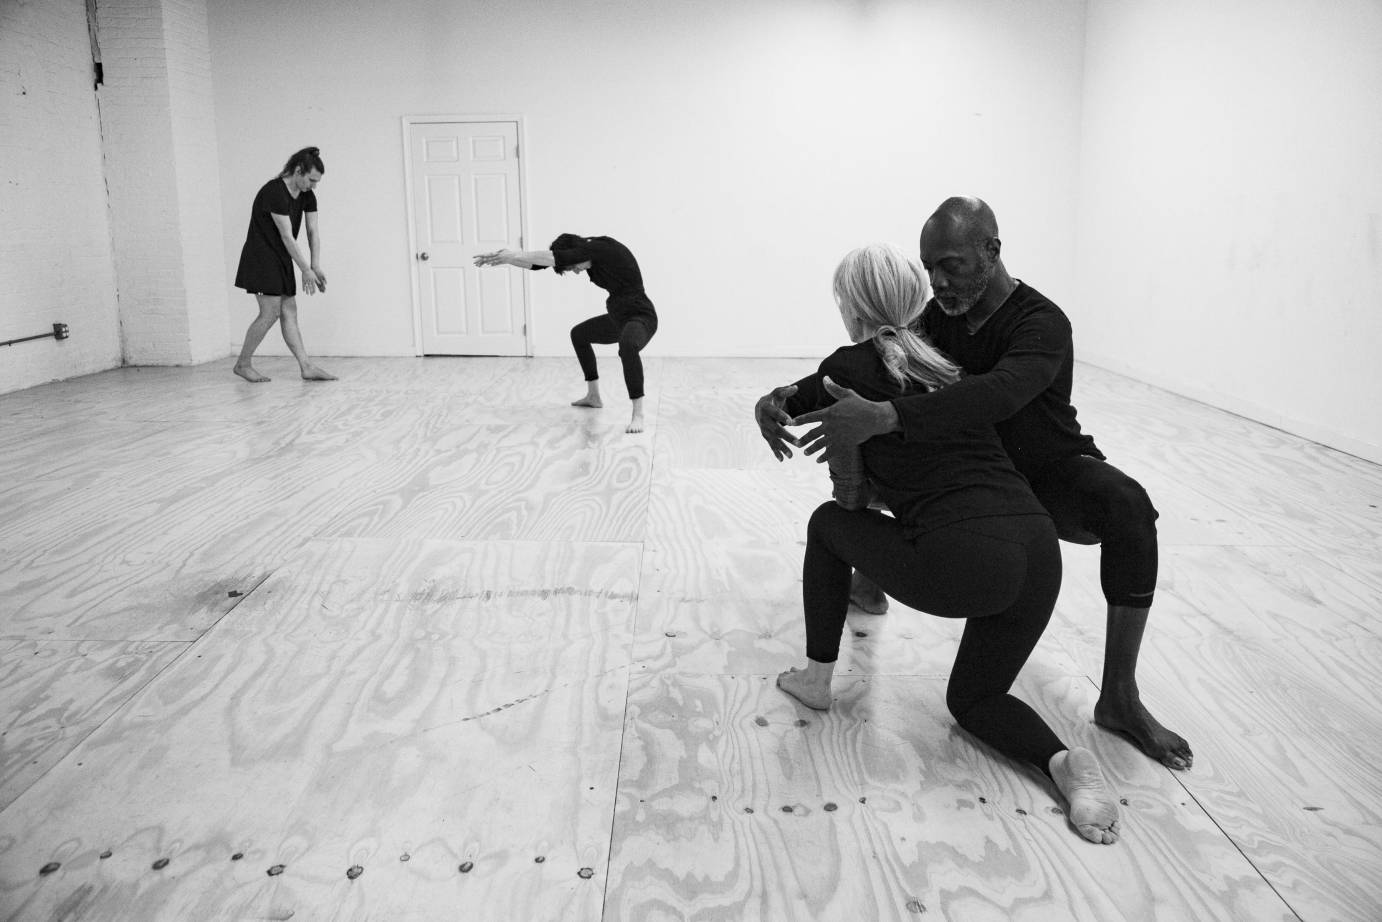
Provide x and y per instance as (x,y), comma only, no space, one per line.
(523,259)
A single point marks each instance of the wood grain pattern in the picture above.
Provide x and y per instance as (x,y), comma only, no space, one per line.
(448,702)
(56,693)
(385,691)
(736,804)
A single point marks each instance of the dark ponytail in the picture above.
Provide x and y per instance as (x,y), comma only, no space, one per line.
(304,161)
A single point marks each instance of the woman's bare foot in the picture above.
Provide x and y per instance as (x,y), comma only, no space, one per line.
(806,687)
(249,374)
(865,595)
(1133,721)
(591,398)
(313,373)
(1093,810)
(635,424)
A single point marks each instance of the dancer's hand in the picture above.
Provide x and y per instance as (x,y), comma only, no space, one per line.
(771,419)
(851,420)
(321,278)
(310,282)
(496,258)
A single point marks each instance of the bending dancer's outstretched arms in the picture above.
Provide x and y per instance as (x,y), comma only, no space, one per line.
(523,259)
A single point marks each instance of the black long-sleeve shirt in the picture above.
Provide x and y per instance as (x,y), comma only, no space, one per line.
(958,473)
(1018,370)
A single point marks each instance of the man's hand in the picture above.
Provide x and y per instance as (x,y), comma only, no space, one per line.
(850,421)
(771,419)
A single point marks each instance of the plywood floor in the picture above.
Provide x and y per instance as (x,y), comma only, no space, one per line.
(427,643)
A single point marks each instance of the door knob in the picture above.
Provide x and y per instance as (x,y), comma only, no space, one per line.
(422,256)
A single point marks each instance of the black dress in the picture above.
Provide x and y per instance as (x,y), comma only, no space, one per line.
(265,266)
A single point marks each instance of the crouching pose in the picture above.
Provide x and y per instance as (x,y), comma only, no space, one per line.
(629,319)
(967,539)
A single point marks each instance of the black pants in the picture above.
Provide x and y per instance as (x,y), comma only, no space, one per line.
(631,336)
(1001,573)
(1093,502)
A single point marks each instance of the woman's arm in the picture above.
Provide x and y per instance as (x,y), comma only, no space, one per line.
(523,259)
(285,231)
(314,247)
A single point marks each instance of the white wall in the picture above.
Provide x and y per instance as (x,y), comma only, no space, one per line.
(1230,222)
(56,264)
(159,138)
(739,147)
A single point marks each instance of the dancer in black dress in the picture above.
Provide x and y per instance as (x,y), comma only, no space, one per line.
(266,260)
(967,539)
(630,319)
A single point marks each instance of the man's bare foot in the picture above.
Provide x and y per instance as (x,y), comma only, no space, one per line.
(635,425)
(1133,721)
(249,374)
(865,595)
(313,373)
(592,402)
(812,694)
(1093,811)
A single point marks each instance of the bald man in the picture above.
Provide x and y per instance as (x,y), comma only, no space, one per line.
(1015,348)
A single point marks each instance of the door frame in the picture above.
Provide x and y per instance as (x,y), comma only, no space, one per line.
(408,122)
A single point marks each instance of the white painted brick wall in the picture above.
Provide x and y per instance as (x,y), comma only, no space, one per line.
(136,117)
(198,170)
(56,263)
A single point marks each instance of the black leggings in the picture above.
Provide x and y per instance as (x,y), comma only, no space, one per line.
(1093,502)
(631,337)
(1001,573)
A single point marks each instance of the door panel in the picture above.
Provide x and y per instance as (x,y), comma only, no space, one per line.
(466,201)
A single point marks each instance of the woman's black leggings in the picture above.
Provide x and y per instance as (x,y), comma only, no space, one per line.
(1002,573)
(631,337)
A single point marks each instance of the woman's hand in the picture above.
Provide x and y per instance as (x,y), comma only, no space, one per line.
(771,419)
(321,277)
(497,258)
(311,281)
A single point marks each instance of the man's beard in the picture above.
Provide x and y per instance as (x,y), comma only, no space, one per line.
(961,297)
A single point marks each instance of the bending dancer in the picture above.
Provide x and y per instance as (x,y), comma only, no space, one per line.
(266,260)
(1015,348)
(630,319)
(967,538)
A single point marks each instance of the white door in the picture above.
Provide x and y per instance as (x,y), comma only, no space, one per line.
(465,195)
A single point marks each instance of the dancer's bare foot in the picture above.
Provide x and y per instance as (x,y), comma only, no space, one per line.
(865,595)
(313,373)
(1132,720)
(801,685)
(249,374)
(1093,810)
(635,424)
(592,402)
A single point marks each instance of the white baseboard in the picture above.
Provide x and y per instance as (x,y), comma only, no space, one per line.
(1306,429)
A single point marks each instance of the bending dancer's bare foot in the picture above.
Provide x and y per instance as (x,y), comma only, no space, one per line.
(1093,810)
(593,402)
(800,685)
(865,595)
(249,374)
(635,424)
(1133,721)
(313,373)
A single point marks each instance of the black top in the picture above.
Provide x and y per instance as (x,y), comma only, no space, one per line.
(265,266)
(1018,377)
(613,268)
(961,473)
